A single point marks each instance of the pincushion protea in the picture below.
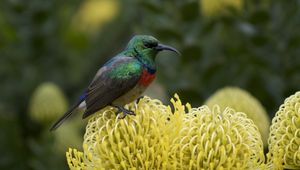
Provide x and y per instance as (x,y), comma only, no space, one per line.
(242,101)
(159,137)
(284,139)
(215,139)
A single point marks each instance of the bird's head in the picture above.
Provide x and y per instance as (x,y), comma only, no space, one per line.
(147,46)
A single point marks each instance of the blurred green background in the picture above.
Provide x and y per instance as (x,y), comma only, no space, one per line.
(251,44)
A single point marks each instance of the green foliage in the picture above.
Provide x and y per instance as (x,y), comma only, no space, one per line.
(11,141)
(257,48)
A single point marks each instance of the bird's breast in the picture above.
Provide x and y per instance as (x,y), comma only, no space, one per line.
(146,78)
(130,96)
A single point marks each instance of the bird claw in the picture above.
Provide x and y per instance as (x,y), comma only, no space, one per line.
(131,113)
(127,112)
(124,111)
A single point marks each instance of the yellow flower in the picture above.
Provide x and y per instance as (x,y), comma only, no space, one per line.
(219,7)
(140,141)
(215,139)
(284,139)
(160,137)
(47,103)
(93,14)
(242,101)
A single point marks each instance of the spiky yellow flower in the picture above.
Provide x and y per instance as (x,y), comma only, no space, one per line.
(47,103)
(242,101)
(160,137)
(215,139)
(140,141)
(284,137)
(219,7)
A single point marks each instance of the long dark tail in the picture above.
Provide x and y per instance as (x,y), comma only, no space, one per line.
(65,116)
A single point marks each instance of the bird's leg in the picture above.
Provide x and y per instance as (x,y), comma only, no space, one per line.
(138,99)
(125,111)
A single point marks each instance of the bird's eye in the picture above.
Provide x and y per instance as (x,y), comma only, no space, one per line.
(150,44)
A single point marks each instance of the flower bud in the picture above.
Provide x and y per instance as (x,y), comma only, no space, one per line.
(47,103)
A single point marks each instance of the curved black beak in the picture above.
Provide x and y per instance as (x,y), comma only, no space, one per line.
(161,47)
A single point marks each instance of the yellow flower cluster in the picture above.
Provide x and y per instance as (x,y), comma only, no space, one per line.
(139,141)
(284,139)
(169,137)
(242,101)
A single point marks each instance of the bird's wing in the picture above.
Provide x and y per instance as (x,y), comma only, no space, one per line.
(113,80)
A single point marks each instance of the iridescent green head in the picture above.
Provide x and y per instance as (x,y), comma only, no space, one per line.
(147,46)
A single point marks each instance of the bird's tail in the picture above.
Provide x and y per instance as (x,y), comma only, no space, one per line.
(65,116)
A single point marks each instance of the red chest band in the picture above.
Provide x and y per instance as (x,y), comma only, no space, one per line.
(146,78)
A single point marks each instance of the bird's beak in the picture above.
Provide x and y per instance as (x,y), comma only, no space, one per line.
(161,47)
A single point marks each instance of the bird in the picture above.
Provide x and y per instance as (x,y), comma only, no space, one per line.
(120,80)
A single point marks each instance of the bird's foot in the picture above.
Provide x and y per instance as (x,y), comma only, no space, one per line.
(138,99)
(124,111)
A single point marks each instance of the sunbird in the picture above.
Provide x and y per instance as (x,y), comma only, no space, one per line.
(122,79)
